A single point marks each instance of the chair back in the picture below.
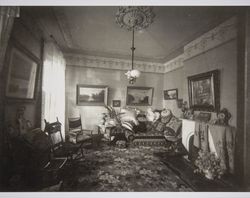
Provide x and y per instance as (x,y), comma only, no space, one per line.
(75,124)
(54,131)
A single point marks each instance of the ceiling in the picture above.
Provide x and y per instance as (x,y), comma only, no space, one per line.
(92,30)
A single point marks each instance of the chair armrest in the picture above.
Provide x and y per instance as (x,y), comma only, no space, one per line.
(87,132)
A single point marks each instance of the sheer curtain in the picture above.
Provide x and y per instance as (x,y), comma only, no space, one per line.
(53,85)
(7,15)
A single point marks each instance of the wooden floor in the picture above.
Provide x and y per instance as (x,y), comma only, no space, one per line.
(185,170)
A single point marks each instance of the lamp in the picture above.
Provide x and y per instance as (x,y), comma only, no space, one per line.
(134,18)
(133,73)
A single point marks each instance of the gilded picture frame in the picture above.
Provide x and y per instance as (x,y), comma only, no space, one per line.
(92,95)
(204,91)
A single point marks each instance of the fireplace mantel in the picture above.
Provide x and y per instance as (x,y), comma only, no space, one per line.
(221,140)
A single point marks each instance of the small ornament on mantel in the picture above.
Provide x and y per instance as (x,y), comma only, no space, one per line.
(187,113)
(223,117)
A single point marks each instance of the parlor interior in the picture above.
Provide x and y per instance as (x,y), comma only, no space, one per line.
(69,50)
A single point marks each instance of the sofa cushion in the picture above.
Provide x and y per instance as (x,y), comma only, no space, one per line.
(172,128)
(159,126)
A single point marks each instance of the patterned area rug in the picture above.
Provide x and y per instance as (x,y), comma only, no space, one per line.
(112,169)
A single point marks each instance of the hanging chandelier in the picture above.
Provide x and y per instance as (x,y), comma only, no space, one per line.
(134,18)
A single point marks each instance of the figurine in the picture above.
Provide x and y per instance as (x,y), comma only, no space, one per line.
(223,117)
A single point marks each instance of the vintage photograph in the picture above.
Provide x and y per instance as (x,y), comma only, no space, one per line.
(141,96)
(171,94)
(92,95)
(22,75)
(124,98)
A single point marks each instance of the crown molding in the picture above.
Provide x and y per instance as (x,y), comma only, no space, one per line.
(217,36)
(174,63)
(112,63)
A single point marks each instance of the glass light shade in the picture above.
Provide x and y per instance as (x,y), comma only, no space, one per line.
(135,73)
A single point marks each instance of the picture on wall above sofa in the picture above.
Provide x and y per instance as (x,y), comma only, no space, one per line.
(92,95)
(140,96)
(171,94)
(203,91)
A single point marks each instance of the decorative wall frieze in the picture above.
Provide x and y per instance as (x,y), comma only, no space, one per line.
(112,63)
(217,36)
(174,63)
(220,34)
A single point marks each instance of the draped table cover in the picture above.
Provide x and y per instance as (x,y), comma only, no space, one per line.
(219,139)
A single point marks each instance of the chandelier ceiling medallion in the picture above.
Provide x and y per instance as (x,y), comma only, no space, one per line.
(134,18)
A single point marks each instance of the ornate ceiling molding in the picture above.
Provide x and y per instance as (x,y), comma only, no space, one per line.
(112,63)
(174,63)
(137,17)
(220,34)
(215,37)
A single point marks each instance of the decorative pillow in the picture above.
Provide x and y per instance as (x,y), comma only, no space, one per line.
(166,115)
(128,115)
(150,115)
(165,120)
(166,112)
(172,127)
(159,126)
(156,116)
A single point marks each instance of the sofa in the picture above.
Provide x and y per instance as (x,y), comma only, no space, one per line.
(158,127)
(150,128)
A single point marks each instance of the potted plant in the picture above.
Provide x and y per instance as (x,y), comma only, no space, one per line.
(208,164)
(118,132)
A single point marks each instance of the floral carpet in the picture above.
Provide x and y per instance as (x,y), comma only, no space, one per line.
(112,169)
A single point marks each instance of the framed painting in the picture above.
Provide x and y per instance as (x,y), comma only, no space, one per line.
(140,96)
(203,91)
(92,95)
(22,74)
(171,94)
(116,103)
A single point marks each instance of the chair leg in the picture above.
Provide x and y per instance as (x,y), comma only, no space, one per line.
(82,152)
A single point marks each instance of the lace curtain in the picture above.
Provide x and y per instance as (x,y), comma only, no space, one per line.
(53,86)
(7,15)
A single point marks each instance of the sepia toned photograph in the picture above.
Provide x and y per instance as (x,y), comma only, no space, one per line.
(124,98)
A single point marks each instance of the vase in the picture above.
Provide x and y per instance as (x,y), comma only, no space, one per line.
(208,174)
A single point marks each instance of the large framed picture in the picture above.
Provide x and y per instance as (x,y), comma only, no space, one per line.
(92,95)
(203,91)
(22,74)
(140,96)
(171,94)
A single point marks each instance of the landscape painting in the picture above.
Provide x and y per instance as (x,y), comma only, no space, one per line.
(140,96)
(92,95)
